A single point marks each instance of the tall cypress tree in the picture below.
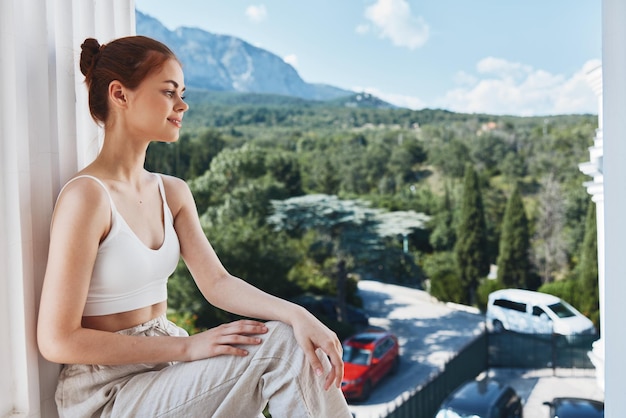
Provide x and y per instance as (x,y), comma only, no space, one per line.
(588,274)
(514,254)
(471,246)
(443,235)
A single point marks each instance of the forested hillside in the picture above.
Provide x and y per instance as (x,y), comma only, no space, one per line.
(388,192)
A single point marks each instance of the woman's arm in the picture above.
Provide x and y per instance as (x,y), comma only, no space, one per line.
(80,221)
(234,295)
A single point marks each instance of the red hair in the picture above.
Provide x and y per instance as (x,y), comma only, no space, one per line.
(128,60)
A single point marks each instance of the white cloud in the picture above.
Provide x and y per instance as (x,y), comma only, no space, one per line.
(464,78)
(576,92)
(392,19)
(256,13)
(362,29)
(291,59)
(502,68)
(504,87)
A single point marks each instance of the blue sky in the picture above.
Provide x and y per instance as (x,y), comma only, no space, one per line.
(519,57)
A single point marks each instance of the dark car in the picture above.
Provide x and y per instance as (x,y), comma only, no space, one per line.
(575,408)
(368,357)
(485,398)
(326,306)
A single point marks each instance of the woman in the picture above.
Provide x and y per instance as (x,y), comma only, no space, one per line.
(117,233)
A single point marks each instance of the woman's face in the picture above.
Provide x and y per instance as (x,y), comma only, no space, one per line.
(155,108)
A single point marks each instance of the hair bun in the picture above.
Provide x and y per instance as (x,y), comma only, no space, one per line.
(90,52)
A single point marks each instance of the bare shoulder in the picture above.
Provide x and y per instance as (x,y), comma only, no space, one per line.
(177,192)
(83,200)
(172,181)
(84,191)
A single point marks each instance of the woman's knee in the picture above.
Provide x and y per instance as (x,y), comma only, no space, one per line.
(281,337)
(281,330)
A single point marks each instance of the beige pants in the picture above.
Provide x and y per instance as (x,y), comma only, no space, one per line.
(225,386)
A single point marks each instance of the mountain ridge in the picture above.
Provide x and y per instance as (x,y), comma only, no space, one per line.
(226,63)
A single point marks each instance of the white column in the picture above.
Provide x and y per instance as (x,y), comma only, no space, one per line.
(46,134)
(594,169)
(614,132)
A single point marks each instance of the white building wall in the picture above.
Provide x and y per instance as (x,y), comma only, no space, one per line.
(46,134)
(614,163)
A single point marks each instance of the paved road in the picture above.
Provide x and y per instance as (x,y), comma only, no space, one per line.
(430,332)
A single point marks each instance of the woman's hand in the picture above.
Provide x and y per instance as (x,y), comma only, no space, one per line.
(311,334)
(226,339)
(232,294)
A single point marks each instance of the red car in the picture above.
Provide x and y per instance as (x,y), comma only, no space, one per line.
(368,357)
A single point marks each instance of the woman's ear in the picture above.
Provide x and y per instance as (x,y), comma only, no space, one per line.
(117,94)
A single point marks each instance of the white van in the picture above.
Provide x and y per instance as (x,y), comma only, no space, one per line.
(534,313)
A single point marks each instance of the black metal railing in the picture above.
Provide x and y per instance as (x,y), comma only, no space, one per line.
(536,351)
(424,400)
(498,350)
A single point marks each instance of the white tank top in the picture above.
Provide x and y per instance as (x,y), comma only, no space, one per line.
(127,274)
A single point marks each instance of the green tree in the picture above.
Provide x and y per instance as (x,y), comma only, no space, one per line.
(450,157)
(285,168)
(349,232)
(488,150)
(494,200)
(549,246)
(342,224)
(514,255)
(207,145)
(187,158)
(471,246)
(443,277)
(588,273)
(233,198)
(443,235)
(513,166)
(258,255)
(162,157)
(404,157)
(230,170)
(323,177)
